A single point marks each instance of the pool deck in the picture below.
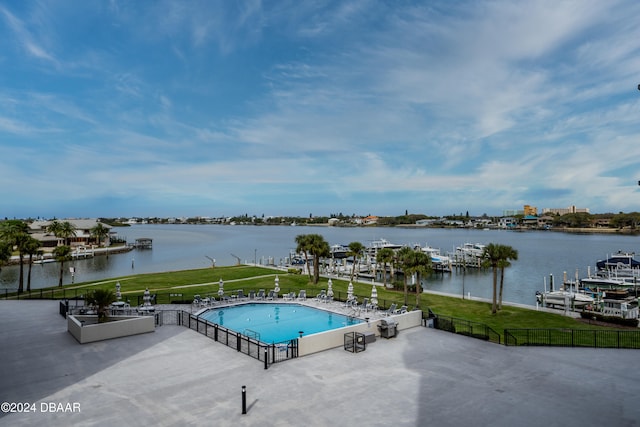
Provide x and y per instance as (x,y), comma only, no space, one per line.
(177,377)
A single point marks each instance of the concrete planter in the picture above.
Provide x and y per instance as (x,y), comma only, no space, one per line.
(85,328)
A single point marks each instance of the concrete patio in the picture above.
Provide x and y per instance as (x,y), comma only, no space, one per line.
(175,376)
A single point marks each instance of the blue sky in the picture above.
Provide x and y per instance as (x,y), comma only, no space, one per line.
(220,108)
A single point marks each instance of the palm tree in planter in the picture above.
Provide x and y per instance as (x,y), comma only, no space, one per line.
(62,254)
(101,299)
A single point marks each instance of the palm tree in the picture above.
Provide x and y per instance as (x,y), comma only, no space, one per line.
(62,254)
(16,233)
(315,245)
(54,227)
(507,253)
(403,254)
(492,257)
(384,256)
(31,247)
(355,250)
(101,299)
(100,232)
(67,231)
(5,252)
(303,243)
(418,263)
(319,248)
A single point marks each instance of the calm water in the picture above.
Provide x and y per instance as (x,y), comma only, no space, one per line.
(177,247)
(277,322)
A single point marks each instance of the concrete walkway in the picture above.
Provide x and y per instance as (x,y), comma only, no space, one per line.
(177,377)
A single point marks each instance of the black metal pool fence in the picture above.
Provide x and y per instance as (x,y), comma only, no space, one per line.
(267,353)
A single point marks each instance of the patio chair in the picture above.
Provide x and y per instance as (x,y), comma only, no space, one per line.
(321,296)
(401,310)
(302,295)
(241,296)
(365,305)
(353,302)
(260,295)
(252,294)
(391,310)
(290,296)
(272,295)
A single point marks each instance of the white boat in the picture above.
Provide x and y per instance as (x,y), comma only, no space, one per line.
(471,249)
(440,262)
(562,298)
(376,245)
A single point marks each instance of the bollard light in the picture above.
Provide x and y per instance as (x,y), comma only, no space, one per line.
(244,399)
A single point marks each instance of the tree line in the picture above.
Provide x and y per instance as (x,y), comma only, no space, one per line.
(16,238)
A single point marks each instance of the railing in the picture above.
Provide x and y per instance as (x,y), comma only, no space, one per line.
(267,353)
(64,308)
(466,327)
(597,338)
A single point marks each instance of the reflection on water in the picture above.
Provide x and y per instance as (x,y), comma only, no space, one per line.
(178,247)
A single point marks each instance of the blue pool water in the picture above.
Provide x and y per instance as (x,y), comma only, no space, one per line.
(276,322)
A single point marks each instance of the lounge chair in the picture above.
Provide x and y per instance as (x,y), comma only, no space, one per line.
(260,295)
(353,302)
(272,295)
(252,294)
(365,305)
(290,296)
(321,296)
(392,310)
(401,310)
(302,295)
(241,296)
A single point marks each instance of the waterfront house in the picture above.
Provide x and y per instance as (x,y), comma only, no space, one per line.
(83,237)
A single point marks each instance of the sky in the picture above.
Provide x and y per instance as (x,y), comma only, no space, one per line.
(221,108)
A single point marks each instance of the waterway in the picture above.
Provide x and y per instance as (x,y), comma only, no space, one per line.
(179,247)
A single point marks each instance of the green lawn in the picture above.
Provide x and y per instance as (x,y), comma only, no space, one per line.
(183,285)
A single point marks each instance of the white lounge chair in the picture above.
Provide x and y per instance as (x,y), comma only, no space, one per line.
(392,310)
(302,295)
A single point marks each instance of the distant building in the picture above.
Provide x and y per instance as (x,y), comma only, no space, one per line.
(38,230)
(512,212)
(530,210)
(560,211)
(507,222)
(370,220)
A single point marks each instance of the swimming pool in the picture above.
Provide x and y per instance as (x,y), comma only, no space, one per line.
(273,323)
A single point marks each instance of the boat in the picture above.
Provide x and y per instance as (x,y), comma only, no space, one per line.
(620,262)
(603,282)
(440,262)
(560,298)
(468,254)
(339,251)
(376,245)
